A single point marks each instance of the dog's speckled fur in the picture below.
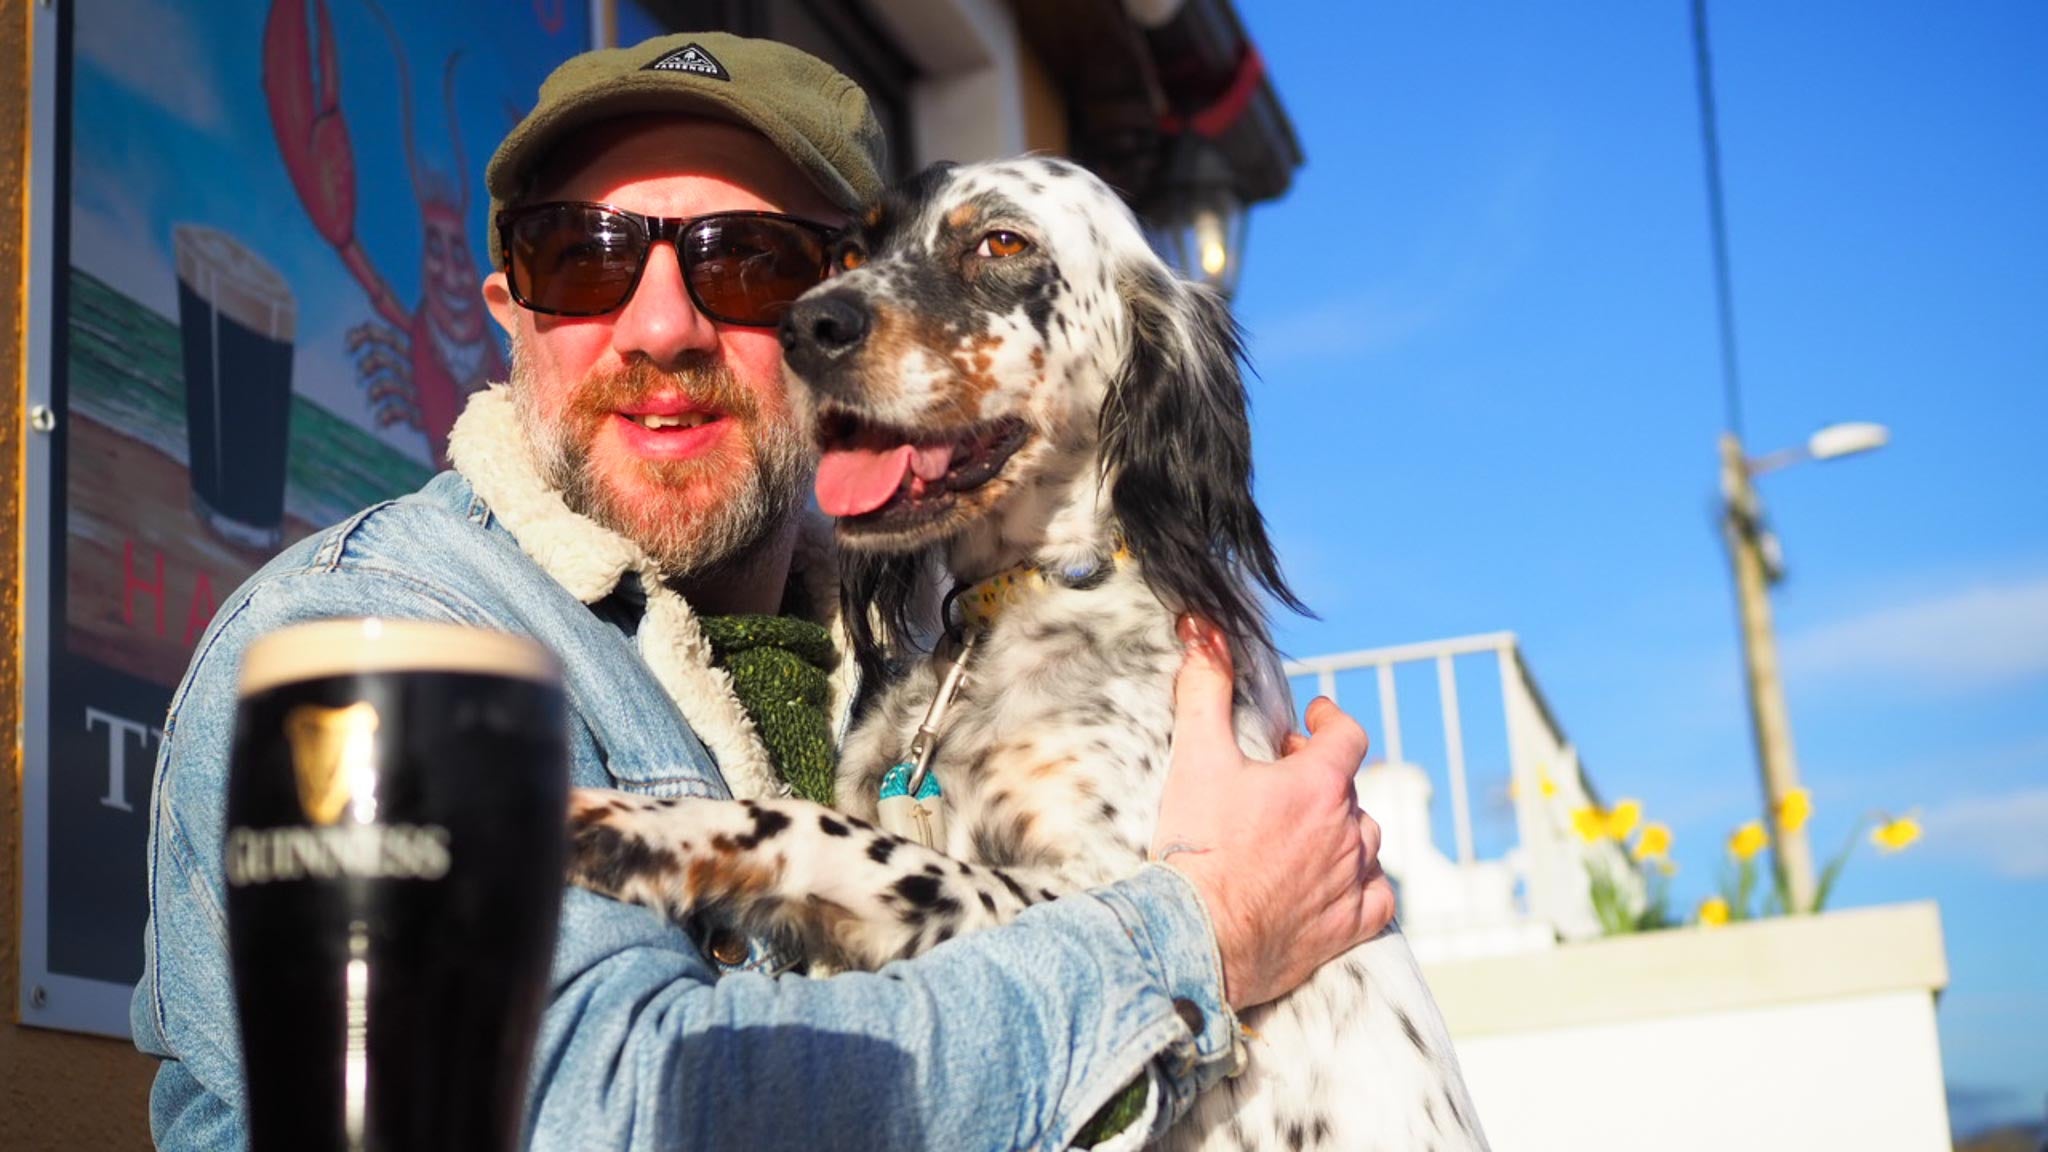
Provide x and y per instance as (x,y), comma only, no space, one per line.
(1126,383)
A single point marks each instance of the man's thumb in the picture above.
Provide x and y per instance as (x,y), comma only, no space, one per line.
(1202,691)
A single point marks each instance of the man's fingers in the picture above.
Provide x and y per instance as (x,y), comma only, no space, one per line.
(1369,832)
(1334,738)
(1376,907)
(1202,691)
(1320,710)
(1323,710)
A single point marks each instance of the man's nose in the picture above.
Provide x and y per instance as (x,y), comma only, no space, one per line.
(660,321)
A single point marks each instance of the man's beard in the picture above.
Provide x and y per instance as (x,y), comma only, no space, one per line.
(695,540)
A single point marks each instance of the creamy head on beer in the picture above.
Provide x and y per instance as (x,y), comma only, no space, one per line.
(351,647)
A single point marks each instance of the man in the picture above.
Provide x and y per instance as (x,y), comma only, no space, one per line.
(640,480)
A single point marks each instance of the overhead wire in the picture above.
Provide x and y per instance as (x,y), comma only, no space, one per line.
(1717,222)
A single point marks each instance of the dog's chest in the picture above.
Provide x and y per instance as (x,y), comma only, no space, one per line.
(1052,753)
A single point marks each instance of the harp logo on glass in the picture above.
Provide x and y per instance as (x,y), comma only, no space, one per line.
(334,758)
(334,764)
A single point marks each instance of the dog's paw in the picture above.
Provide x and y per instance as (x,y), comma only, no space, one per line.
(680,855)
(616,846)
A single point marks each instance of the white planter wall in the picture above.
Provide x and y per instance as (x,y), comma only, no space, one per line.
(1795,1034)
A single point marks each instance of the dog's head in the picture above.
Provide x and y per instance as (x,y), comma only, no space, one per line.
(999,346)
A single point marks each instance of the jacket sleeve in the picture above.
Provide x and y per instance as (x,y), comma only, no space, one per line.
(1008,1039)
(1005,1039)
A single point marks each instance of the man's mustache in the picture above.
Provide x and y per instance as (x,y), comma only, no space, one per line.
(706,384)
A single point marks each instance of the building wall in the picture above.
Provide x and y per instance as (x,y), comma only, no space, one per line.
(1045,109)
(58,1091)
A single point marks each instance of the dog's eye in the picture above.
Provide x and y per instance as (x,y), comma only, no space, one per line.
(1000,243)
(851,256)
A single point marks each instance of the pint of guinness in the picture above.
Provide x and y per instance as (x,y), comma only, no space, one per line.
(396,808)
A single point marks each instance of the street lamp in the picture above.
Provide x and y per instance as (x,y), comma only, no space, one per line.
(1830,443)
(1758,562)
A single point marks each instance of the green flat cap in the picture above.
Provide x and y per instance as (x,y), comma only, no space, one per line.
(817,117)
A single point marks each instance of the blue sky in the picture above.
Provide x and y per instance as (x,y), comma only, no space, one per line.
(1484,322)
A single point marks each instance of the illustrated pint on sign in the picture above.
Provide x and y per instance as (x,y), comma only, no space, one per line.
(237,320)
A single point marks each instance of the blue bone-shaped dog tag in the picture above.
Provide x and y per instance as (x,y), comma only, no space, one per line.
(921,817)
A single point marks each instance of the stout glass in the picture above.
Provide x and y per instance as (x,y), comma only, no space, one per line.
(396,809)
(236,321)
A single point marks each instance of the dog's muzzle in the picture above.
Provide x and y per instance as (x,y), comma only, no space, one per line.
(819,331)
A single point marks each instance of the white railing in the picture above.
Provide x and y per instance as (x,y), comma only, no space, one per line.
(1533,894)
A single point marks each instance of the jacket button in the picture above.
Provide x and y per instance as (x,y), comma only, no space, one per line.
(1190,1014)
(728,947)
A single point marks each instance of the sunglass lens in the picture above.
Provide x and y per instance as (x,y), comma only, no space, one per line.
(750,269)
(574,260)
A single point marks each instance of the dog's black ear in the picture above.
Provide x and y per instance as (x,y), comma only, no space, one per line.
(901,200)
(881,598)
(1177,452)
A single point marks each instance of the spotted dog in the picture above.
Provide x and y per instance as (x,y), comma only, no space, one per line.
(1008,382)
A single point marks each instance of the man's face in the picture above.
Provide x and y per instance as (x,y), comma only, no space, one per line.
(654,420)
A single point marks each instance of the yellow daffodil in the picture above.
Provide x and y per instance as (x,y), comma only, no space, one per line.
(1623,818)
(1655,842)
(1589,823)
(1895,835)
(1713,912)
(1794,810)
(1748,841)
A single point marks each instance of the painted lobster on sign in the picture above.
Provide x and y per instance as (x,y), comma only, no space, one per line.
(419,366)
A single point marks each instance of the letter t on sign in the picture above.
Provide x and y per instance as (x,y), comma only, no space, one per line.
(119,730)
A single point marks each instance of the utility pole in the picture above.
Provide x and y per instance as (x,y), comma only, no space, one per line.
(1755,572)
(1752,550)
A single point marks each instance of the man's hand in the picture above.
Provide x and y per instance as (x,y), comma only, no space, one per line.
(1284,860)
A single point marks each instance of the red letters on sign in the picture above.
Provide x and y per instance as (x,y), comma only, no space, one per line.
(199,613)
(152,589)
(130,586)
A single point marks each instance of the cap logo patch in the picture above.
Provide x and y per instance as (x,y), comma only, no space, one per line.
(690,58)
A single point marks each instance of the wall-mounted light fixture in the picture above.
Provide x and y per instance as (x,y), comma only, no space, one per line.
(1196,220)
(1195,211)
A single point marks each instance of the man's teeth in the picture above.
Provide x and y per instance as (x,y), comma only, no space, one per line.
(657,420)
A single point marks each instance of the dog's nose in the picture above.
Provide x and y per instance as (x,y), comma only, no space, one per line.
(820,329)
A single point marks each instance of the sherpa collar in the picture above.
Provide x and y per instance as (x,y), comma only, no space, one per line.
(589,560)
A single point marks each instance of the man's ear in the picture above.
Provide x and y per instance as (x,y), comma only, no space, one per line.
(498,298)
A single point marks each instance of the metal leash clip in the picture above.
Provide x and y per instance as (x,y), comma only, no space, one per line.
(911,804)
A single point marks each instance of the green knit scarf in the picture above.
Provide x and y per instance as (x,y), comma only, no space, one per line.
(779,667)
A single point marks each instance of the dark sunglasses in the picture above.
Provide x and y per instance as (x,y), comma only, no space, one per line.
(578,259)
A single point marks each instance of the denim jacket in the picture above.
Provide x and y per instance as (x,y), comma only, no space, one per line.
(1010,1038)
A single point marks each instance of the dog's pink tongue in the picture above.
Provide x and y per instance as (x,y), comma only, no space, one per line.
(930,463)
(856,481)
